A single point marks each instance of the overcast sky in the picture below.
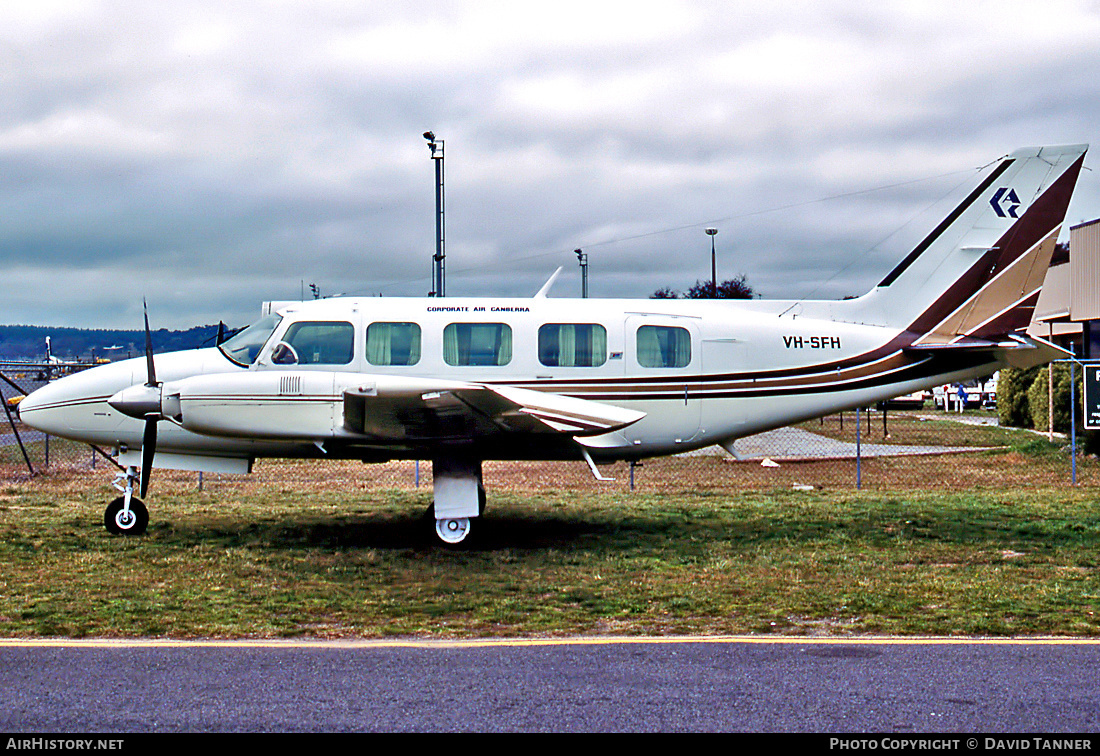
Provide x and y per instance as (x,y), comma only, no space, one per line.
(213,155)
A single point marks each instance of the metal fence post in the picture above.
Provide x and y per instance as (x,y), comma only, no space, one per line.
(1085,399)
(15,430)
(859,471)
(1072,416)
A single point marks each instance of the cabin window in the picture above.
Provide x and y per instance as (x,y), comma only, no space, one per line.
(572,345)
(244,347)
(663,347)
(315,343)
(393,343)
(477,344)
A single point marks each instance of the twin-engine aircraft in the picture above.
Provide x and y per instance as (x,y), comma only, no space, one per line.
(462,380)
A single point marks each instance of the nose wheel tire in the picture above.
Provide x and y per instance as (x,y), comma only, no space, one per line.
(118,521)
(452,531)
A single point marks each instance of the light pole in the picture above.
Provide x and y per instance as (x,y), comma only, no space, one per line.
(582,258)
(712,232)
(439,285)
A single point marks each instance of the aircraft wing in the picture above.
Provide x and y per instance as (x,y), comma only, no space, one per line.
(461,411)
(379,409)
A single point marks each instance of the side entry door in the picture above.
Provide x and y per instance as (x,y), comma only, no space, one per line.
(663,359)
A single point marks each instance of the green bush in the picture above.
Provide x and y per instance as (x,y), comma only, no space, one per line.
(1013,408)
(1038,399)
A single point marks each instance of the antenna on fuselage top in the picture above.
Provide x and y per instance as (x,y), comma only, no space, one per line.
(549,283)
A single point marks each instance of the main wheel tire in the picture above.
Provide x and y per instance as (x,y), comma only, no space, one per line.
(119,522)
(453,531)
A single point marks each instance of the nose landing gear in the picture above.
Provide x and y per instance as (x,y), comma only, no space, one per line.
(122,520)
(126,515)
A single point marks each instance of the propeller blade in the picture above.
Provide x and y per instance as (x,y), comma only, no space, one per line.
(221,334)
(151,372)
(149,437)
(148,449)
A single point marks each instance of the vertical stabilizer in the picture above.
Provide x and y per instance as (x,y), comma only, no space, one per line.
(978,273)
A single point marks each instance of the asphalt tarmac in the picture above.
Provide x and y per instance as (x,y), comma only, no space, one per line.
(578,685)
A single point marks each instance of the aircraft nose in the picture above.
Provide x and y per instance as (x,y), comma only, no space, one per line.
(42,410)
(76,406)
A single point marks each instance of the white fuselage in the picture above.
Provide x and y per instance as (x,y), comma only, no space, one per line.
(702,372)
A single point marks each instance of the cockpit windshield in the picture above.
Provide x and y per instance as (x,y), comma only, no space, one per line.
(245,346)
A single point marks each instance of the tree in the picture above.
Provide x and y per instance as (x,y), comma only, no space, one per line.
(733,288)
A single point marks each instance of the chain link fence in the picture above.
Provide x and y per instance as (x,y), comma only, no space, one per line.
(923,448)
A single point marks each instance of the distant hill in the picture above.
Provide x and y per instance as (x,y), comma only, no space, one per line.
(22,342)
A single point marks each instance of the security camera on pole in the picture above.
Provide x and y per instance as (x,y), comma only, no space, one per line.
(439,286)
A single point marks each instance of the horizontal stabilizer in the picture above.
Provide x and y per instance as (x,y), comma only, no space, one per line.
(1014,351)
(970,344)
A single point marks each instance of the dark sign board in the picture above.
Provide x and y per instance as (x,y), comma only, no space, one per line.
(1092,397)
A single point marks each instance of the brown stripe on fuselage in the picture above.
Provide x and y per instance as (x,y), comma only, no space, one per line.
(728,385)
(913,367)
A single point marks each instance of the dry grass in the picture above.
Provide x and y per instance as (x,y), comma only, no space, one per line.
(987,543)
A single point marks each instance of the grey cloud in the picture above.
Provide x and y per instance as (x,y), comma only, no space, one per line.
(213,155)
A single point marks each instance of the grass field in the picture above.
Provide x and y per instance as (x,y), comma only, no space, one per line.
(992,543)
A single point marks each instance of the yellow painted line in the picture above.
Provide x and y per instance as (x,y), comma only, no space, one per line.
(535,642)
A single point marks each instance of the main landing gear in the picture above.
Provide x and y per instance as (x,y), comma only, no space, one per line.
(127,514)
(458,498)
(453,531)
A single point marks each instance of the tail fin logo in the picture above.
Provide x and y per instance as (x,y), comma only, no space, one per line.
(1005,203)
